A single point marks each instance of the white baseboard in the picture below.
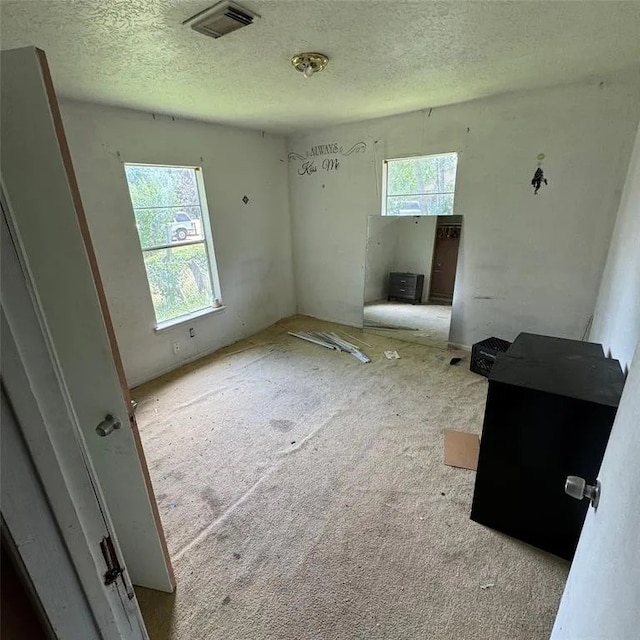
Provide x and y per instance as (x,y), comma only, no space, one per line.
(461,347)
(333,320)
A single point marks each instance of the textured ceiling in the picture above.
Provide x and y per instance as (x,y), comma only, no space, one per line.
(385,57)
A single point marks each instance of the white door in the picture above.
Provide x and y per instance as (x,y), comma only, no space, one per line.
(51,233)
(601,600)
(52,507)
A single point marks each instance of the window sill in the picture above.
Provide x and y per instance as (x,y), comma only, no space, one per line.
(416,215)
(175,322)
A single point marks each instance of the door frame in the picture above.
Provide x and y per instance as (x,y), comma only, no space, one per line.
(444,221)
(43,432)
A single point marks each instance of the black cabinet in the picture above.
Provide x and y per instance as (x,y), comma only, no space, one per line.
(406,286)
(531,346)
(550,408)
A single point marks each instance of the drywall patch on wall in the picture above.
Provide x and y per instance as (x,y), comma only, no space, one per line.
(252,239)
(616,321)
(526,263)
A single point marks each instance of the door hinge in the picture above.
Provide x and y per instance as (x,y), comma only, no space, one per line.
(114,570)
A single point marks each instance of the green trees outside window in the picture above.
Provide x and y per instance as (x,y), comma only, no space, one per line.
(168,215)
(421,186)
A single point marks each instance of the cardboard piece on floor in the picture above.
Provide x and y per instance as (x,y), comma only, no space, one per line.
(461,449)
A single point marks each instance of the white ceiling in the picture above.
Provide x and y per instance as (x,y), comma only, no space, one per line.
(386,57)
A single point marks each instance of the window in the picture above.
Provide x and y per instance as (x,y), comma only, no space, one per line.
(171,216)
(420,186)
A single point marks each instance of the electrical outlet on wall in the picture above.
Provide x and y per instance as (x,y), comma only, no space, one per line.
(176,348)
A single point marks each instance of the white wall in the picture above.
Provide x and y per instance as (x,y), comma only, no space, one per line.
(397,244)
(616,322)
(382,239)
(414,248)
(252,242)
(527,262)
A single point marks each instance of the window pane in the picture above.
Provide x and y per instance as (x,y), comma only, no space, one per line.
(179,279)
(171,225)
(440,204)
(430,174)
(162,186)
(449,164)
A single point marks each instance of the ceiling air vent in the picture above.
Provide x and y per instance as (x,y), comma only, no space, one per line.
(220,19)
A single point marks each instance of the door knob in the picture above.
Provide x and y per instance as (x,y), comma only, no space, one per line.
(108,425)
(577,488)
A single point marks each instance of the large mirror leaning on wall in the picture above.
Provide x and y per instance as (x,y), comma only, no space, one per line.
(410,274)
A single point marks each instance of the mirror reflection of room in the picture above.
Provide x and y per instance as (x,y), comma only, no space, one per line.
(412,251)
(410,277)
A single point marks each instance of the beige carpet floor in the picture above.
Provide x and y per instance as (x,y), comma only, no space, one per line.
(423,323)
(304,497)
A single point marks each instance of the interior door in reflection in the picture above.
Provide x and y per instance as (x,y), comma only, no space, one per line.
(445,260)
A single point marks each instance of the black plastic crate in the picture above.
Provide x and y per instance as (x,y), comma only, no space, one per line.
(484,354)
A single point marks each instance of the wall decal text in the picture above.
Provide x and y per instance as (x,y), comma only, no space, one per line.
(309,166)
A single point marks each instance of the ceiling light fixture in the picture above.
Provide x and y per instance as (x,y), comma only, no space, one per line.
(309,63)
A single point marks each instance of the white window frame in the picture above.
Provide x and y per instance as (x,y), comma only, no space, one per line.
(207,242)
(385,179)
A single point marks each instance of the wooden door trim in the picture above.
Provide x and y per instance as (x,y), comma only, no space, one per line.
(88,244)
